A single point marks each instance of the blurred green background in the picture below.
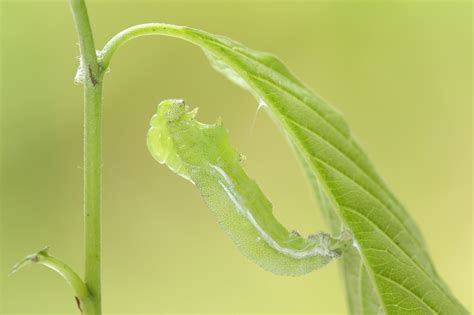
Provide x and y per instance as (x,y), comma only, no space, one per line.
(401,72)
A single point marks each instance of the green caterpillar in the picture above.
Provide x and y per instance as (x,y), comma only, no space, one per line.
(202,154)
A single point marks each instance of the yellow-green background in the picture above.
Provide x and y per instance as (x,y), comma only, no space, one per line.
(401,72)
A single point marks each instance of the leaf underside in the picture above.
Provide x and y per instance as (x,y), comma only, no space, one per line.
(389,270)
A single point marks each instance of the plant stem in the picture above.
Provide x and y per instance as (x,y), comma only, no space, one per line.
(137,31)
(43,258)
(82,294)
(92,191)
(92,153)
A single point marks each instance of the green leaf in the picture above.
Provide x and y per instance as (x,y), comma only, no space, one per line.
(395,264)
(389,264)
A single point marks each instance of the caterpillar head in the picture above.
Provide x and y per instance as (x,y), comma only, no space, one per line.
(185,145)
(160,144)
(159,140)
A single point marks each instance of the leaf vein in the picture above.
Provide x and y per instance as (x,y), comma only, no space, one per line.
(390,211)
(407,290)
(422,270)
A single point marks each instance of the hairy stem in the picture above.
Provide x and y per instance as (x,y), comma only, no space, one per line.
(92,153)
